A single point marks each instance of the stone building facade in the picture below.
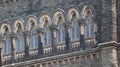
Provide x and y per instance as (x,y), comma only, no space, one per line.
(59,33)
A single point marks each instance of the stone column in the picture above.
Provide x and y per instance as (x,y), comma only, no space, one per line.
(40,41)
(96,34)
(67,27)
(1,44)
(81,24)
(108,54)
(53,30)
(27,44)
(13,38)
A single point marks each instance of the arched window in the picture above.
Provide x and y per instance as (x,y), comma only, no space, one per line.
(34,36)
(20,39)
(61,30)
(75,32)
(47,35)
(7,43)
(89,28)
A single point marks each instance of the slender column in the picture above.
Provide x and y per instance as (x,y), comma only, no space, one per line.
(40,42)
(1,43)
(13,45)
(27,44)
(67,27)
(95,33)
(81,24)
(53,30)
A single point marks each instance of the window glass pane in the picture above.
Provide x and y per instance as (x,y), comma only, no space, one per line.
(63,35)
(73,33)
(87,30)
(78,33)
(58,36)
(92,29)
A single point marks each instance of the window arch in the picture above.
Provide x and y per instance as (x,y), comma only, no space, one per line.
(61,29)
(47,35)
(20,38)
(7,44)
(34,36)
(89,27)
(75,31)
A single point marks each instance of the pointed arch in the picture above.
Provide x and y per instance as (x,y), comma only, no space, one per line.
(18,25)
(31,23)
(4,26)
(19,28)
(5,30)
(87,10)
(88,14)
(44,20)
(59,16)
(73,14)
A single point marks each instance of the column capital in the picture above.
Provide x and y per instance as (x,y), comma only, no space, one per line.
(40,30)
(53,27)
(67,25)
(26,33)
(81,22)
(13,35)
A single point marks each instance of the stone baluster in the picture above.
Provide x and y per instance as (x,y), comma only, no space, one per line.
(40,42)
(53,30)
(67,27)
(27,44)
(13,38)
(81,24)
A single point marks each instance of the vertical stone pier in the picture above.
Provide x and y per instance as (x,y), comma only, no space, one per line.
(108,54)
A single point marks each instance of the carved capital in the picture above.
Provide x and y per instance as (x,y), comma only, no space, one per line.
(40,31)
(67,25)
(13,35)
(81,22)
(26,33)
(53,28)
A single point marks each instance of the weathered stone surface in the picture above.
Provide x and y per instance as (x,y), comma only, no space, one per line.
(106,12)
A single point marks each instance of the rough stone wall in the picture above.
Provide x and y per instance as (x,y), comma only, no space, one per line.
(105,13)
(118,19)
(118,28)
(23,8)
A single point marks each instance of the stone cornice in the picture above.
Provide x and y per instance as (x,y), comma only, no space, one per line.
(108,44)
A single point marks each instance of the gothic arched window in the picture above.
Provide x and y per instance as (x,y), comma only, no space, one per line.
(7,43)
(34,36)
(75,32)
(61,30)
(89,28)
(47,35)
(20,39)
